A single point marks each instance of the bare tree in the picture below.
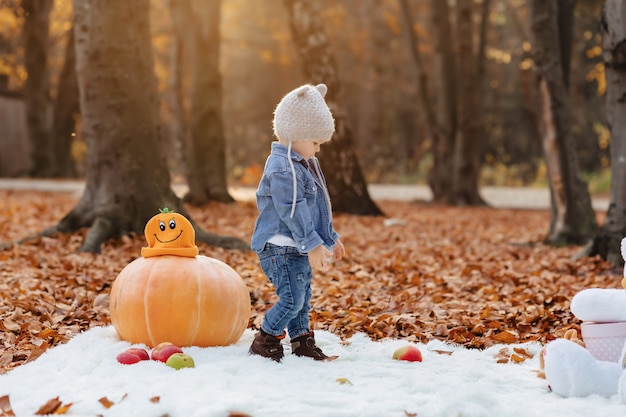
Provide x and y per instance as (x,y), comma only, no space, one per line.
(346,184)
(178,126)
(198,25)
(434,132)
(469,142)
(36,87)
(453,107)
(445,81)
(607,242)
(66,109)
(127,177)
(573,218)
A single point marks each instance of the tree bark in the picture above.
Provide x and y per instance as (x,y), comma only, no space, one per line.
(36,87)
(434,132)
(178,126)
(469,144)
(565,25)
(441,177)
(453,122)
(607,242)
(64,114)
(206,158)
(346,184)
(127,178)
(367,126)
(573,220)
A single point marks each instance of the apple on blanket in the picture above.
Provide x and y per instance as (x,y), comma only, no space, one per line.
(569,368)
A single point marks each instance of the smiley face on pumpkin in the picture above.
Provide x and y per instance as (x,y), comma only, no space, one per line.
(169,233)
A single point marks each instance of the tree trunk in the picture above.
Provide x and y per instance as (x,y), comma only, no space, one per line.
(127,179)
(454,123)
(441,177)
(565,25)
(434,132)
(573,220)
(346,184)
(367,127)
(607,242)
(64,114)
(206,167)
(36,87)
(178,126)
(552,156)
(469,143)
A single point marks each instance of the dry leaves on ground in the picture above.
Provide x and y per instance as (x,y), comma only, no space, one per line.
(470,276)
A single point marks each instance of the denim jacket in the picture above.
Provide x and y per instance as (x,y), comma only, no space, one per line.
(311,224)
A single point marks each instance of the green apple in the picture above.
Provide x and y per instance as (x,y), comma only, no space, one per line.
(180,360)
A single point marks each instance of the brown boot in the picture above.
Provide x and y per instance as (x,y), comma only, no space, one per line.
(268,346)
(304,345)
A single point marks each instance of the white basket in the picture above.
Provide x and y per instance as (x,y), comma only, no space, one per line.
(604,340)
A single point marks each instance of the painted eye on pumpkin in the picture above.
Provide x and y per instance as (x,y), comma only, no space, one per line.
(162,226)
(172,224)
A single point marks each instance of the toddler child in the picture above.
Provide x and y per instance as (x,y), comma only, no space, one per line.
(294,231)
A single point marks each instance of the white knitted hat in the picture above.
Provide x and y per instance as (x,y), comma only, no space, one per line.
(303,115)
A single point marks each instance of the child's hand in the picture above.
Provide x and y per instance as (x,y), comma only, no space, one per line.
(320,257)
(339,251)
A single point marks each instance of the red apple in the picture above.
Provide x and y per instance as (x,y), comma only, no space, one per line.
(408,353)
(142,353)
(164,350)
(132,355)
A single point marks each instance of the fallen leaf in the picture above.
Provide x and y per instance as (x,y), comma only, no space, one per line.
(506,337)
(343,381)
(106,403)
(37,352)
(443,352)
(517,358)
(523,352)
(49,407)
(5,406)
(63,409)
(503,355)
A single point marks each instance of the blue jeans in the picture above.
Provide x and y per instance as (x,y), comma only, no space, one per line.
(290,273)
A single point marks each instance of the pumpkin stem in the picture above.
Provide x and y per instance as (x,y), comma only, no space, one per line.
(166,210)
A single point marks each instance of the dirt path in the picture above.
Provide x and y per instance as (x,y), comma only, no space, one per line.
(499,197)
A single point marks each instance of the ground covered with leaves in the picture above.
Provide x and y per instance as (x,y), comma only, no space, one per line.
(469,276)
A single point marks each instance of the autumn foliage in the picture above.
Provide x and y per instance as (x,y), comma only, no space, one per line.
(470,276)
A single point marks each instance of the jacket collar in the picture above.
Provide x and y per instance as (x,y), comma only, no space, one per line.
(281,150)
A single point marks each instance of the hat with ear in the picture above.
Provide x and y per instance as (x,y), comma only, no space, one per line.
(303,115)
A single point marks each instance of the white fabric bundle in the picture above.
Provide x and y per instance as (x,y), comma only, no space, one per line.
(601,305)
(571,371)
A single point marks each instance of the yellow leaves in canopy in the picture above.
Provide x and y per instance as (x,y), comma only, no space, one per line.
(9,22)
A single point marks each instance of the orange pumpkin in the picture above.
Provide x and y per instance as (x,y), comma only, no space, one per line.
(185,300)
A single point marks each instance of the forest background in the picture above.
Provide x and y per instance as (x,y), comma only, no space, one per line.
(259,64)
